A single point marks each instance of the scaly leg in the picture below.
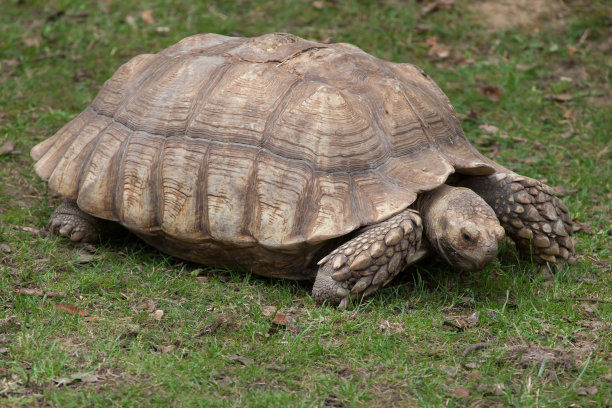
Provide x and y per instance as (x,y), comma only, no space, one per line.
(368,261)
(537,221)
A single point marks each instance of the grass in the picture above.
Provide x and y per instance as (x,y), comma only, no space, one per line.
(78,323)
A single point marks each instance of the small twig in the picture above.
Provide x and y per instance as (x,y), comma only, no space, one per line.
(40,293)
(48,56)
(475,347)
(583,299)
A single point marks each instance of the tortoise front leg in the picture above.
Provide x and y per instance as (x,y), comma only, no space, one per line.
(537,221)
(368,261)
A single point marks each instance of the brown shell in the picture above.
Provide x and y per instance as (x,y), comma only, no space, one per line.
(271,141)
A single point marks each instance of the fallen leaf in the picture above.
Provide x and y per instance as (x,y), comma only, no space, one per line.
(440,50)
(8,148)
(489,129)
(571,50)
(5,321)
(494,93)
(241,359)
(31,42)
(451,371)
(70,309)
(5,247)
(318,4)
(268,311)
(130,20)
(147,16)
(147,306)
(474,375)
(461,392)
(40,293)
(583,391)
(280,319)
(581,227)
(165,349)
(84,258)
(157,315)
(4,350)
(434,6)
(36,231)
(276,367)
(560,97)
(561,190)
(76,377)
(527,356)
(387,327)
(463,322)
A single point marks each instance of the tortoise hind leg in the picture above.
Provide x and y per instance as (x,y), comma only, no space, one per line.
(68,219)
(369,260)
(536,220)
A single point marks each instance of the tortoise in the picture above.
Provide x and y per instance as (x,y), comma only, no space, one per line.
(291,159)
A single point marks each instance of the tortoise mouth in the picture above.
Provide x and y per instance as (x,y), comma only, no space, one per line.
(464,259)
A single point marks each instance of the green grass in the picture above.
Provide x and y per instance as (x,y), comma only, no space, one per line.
(214,345)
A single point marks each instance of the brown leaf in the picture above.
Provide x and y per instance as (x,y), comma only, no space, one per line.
(147,306)
(461,392)
(560,97)
(387,327)
(5,248)
(147,16)
(474,375)
(434,6)
(561,190)
(157,315)
(8,148)
(527,356)
(489,129)
(6,320)
(268,311)
(581,227)
(440,50)
(165,349)
(494,93)
(40,293)
(84,258)
(280,319)
(463,322)
(276,367)
(241,359)
(571,50)
(31,41)
(70,309)
(318,4)
(76,377)
(35,231)
(583,391)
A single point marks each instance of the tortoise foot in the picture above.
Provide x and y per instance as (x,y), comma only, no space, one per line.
(368,261)
(69,220)
(537,220)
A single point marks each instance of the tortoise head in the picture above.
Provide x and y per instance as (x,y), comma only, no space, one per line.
(461,227)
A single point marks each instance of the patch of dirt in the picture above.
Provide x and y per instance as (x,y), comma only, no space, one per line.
(504,14)
(526,356)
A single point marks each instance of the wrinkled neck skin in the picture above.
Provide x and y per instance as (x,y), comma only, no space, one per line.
(460,226)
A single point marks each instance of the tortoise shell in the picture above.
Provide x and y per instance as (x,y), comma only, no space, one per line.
(258,149)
